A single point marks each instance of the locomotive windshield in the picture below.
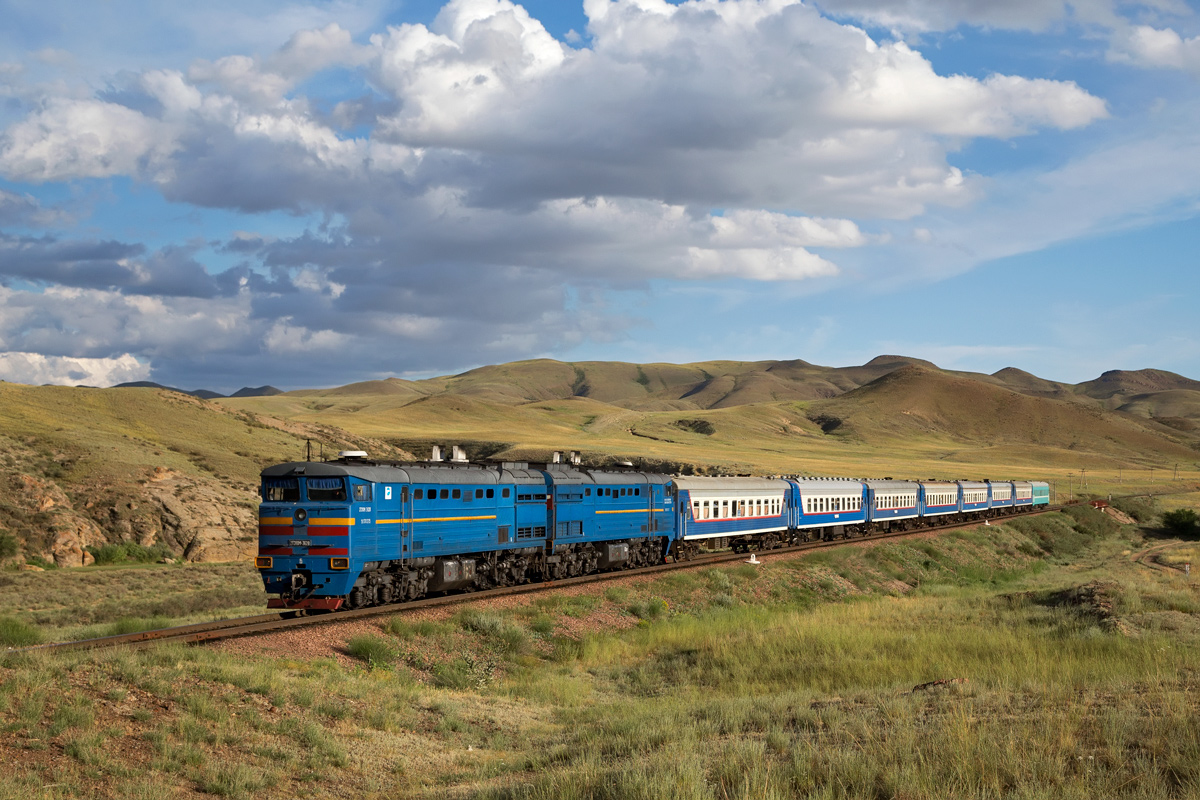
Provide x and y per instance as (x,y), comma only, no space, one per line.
(320,489)
(281,490)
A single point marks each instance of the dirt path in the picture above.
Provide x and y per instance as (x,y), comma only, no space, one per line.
(1150,555)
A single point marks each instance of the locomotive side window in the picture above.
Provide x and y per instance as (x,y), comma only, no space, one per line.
(282,490)
(504,493)
(479,494)
(419,494)
(326,489)
(362,492)
(445,494)
(457,494)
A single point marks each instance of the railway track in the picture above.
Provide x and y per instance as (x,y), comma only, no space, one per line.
(248,626)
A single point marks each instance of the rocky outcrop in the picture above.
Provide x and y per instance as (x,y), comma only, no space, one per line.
(205,520)
(64,531)
(195,518)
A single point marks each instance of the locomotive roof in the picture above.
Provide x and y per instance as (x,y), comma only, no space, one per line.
(738,484)
(407,473)
(568,475)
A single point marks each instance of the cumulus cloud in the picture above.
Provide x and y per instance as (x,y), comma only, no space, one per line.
(83,139)
(1146,46)
(480,183)
(35,368)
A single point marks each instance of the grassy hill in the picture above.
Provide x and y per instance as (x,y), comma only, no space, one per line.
(82,467)
(764,417)
(87,466)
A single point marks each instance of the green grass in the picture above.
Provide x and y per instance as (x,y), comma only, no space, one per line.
(18,633)
(794,678)
(376,652)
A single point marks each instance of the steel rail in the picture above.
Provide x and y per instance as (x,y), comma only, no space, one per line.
(267,623)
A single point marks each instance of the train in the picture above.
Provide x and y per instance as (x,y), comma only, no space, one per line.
(353,532)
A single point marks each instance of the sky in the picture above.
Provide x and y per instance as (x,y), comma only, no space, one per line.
(308,194)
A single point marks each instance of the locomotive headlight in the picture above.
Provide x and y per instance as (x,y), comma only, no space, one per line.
(301,514)
(339,563)
(264,562)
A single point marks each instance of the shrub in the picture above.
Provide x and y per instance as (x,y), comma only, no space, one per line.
(510,637)
(375,651)
(649,610)
(128,553)
(1182,522)
(9,546)
(1142,509)
(18,633)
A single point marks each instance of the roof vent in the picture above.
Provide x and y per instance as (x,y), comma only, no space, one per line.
(557,457)
(458,455)
(436,454)
(352,454)
(574,458)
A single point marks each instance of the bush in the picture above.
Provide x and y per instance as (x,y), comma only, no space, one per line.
(128,553)
(8,545)
(18,633)
(1182,522)
(1143,509)
(375,651)
(650,610)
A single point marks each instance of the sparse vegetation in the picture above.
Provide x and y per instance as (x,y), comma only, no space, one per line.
(792,678)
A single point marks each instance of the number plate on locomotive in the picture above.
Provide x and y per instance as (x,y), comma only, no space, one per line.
(299,542)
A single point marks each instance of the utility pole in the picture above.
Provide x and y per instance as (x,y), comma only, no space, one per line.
(1118,473)
(1175,477)
(1082,479)
(1071,483)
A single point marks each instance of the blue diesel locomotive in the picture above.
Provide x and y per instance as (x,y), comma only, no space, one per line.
(354,532)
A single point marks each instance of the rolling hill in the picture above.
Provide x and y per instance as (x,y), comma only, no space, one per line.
(85,466)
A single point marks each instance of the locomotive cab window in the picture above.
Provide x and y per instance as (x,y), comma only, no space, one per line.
(362,492)
(281,490)
(326,489)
